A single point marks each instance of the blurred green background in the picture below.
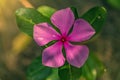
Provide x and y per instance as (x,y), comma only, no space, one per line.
(17,50)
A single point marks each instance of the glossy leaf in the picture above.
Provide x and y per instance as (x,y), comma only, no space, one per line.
(46,11)
(27,17)
(93,68)
(36,71)
(96,17)
(74,10)
(68,72)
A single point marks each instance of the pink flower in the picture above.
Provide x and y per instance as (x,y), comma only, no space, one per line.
(64,19)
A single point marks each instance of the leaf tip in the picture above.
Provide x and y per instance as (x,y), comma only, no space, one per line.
(104,8)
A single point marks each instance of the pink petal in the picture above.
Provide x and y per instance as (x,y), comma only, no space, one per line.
(76,55)
(63,19)
(52,56)
(44,33)
(82,31)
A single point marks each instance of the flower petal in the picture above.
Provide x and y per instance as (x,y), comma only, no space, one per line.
(44,33)
(63,19)
(76,55)
(82,31)
(52,56)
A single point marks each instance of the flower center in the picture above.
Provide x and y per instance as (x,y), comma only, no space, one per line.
(63,39)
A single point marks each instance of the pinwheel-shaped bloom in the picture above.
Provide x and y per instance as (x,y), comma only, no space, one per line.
(64,19)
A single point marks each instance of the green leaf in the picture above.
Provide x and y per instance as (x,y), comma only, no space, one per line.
(114,3)
(68,72)
(46,11)
(36,71)
(96,17)
(54,75)
(74,10)
(93,68)
(27,17)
